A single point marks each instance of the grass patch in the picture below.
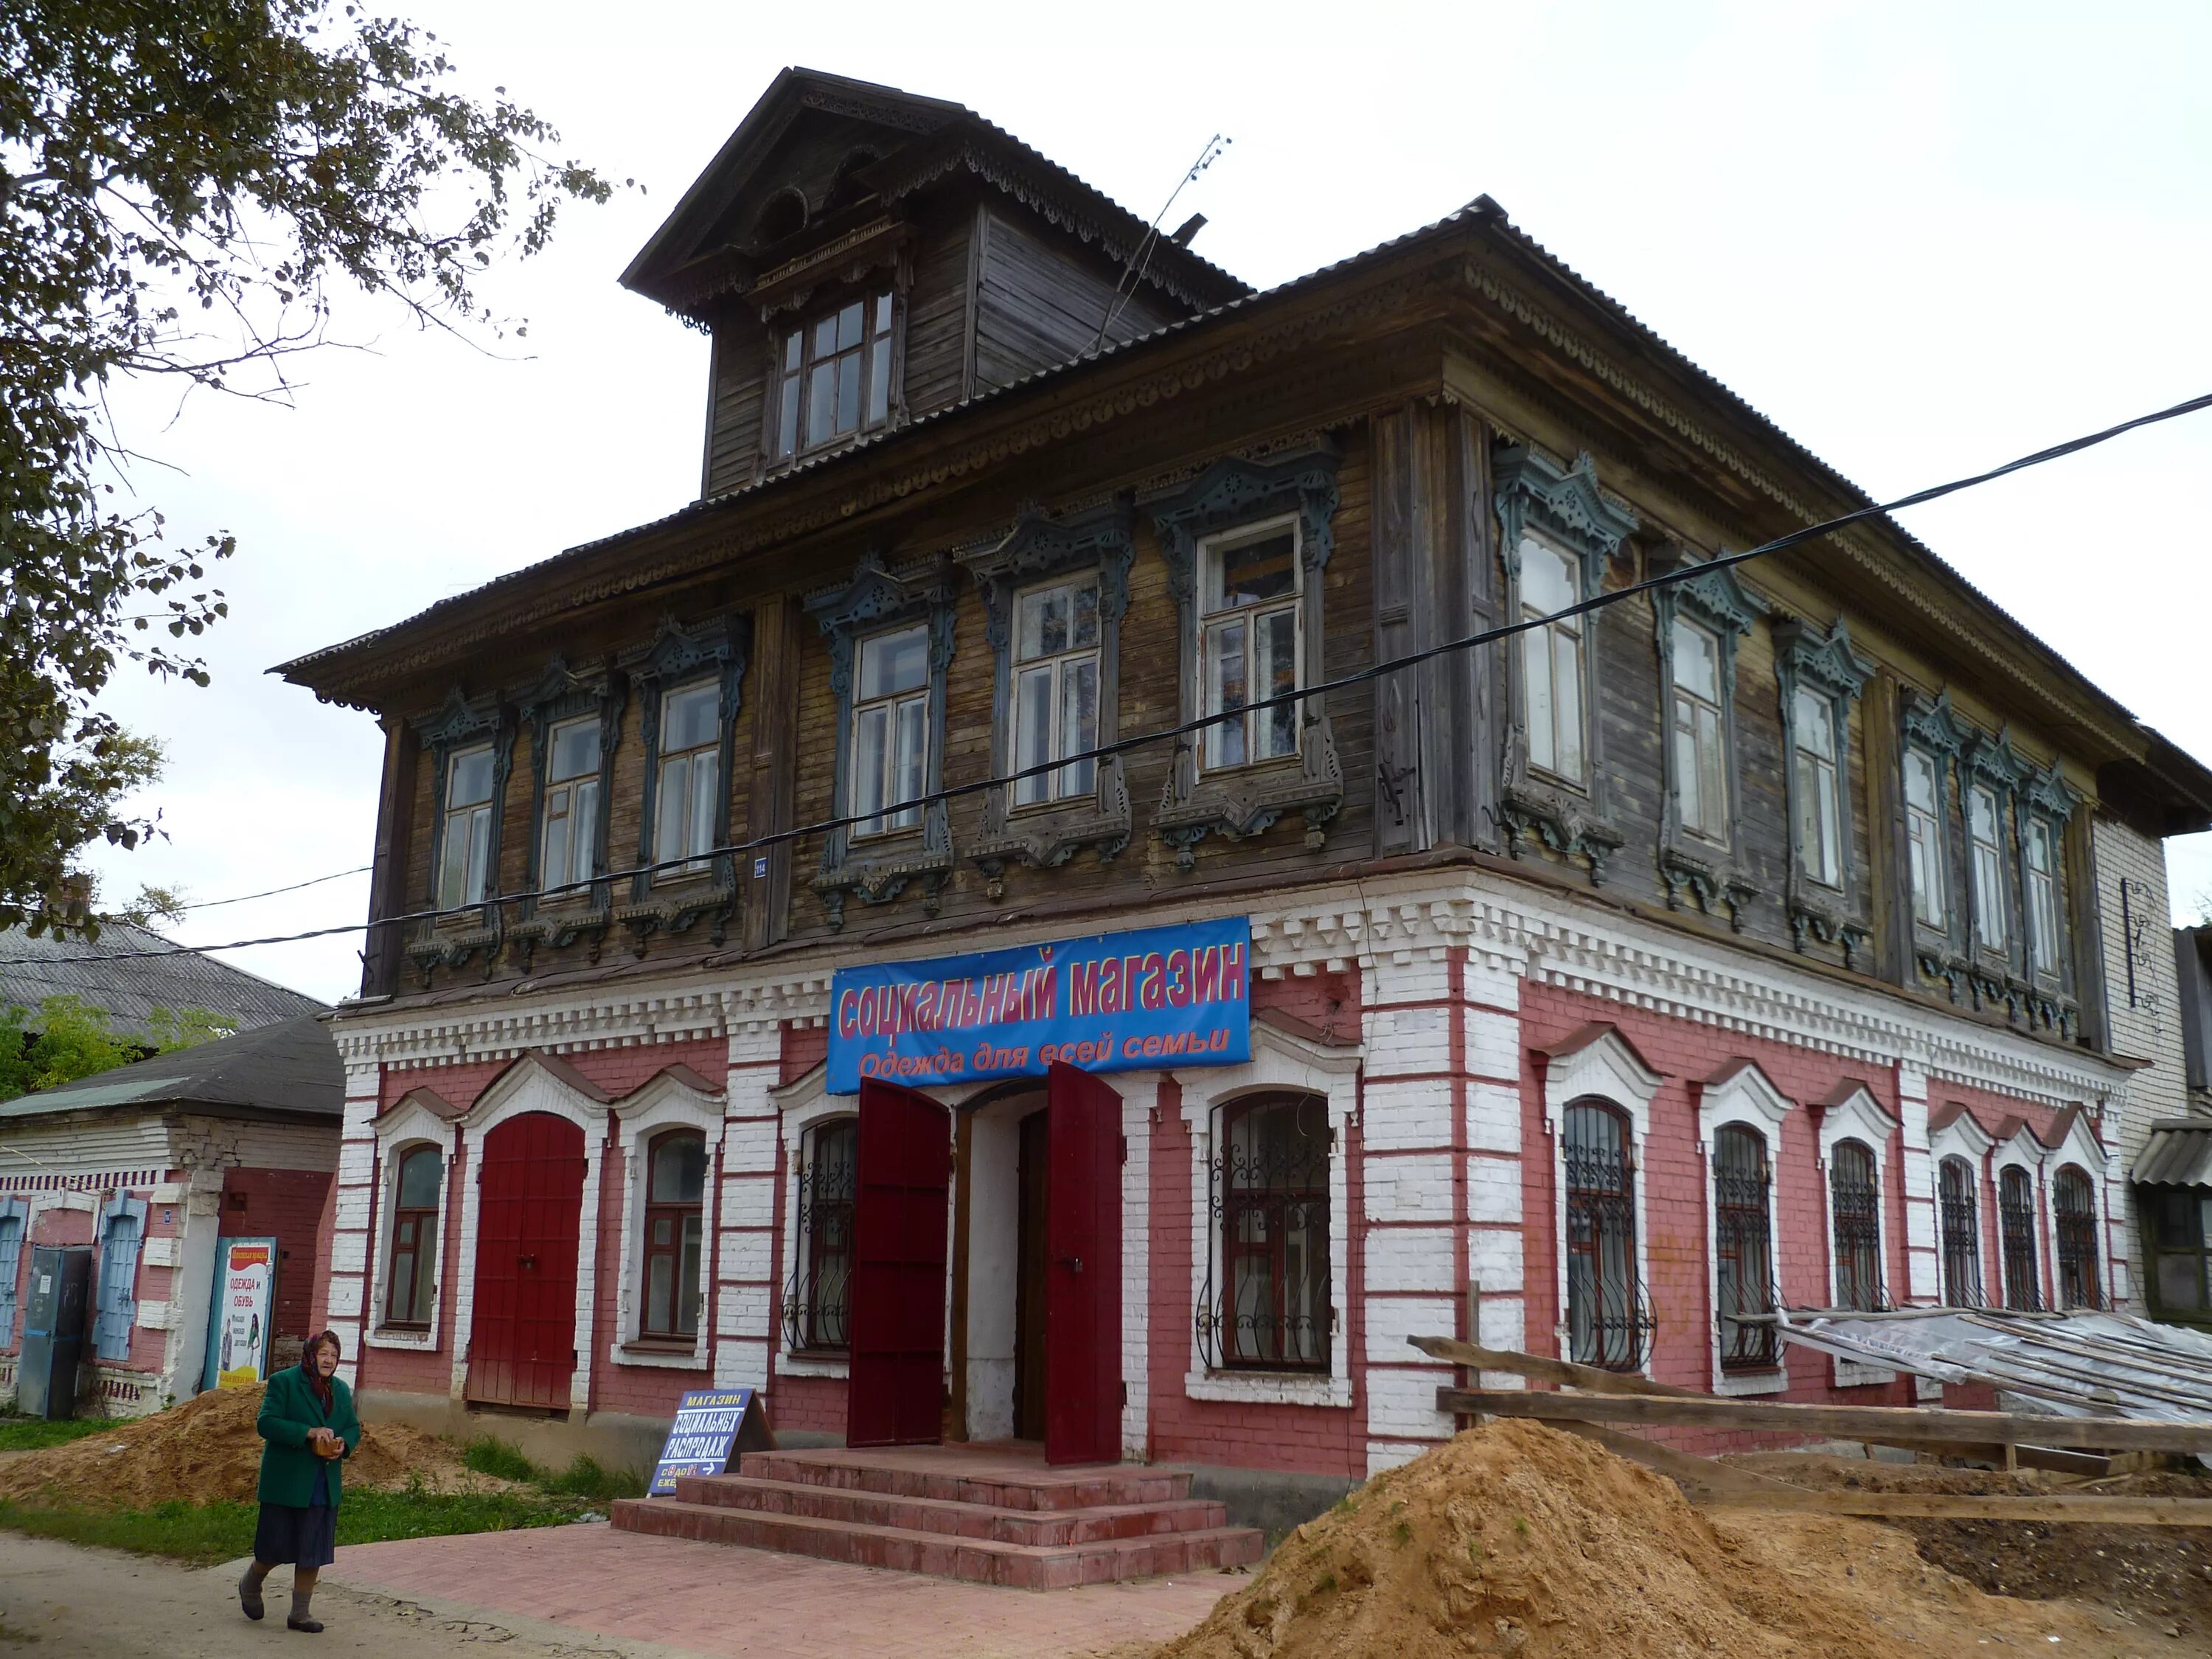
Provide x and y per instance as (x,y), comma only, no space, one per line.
(588,1478)
(223,1532)
(37,1433)
(488,1455)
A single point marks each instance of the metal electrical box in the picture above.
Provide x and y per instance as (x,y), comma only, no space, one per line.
(53,1331)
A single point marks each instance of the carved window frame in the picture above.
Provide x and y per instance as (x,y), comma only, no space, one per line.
(462,723)
(2046,799)
(1689,863)
(1235,494)
(876,598)
(683,656)
(1929,726)
(1823,663)
(1564,507)
(561,695)
(1994,765)
(1101,539)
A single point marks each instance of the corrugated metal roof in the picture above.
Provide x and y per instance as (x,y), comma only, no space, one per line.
(291,1065)
(2177,1154)
(107,974)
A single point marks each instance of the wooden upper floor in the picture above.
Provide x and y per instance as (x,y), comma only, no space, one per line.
(1003,661)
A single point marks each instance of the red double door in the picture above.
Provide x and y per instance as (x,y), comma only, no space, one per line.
(901,1227)
(530,1199)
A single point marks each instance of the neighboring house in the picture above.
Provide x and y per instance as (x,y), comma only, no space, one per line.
(2172,1172)
(120,974)
(148,1164)
(1751,938)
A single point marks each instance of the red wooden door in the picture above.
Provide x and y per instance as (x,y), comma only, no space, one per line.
(1082,1278)
(901,1204)
(530,1202)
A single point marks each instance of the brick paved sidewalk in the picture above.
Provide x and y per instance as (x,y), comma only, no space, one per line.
(711,1599)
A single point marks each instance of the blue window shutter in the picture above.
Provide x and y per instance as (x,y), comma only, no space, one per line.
(11,1261)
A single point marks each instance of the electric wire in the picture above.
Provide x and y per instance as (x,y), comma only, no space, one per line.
(1190,727)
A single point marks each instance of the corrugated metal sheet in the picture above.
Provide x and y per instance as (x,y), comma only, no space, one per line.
(2177,1154)
(2075,1364)
(129,988)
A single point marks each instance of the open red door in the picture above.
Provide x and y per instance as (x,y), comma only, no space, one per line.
(901,1207)
(1083,1280)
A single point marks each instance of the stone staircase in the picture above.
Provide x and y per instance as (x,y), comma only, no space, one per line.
(995,1514)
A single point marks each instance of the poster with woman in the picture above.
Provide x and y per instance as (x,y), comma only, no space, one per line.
(244,1297)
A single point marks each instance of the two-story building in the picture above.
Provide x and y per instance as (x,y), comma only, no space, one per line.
(1736,942)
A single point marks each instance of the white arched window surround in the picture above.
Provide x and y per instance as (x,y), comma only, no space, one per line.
(675,1098)
(1741,1094)
(418,1118)
(2080,1145)
(1596,1062)
(537,1082)
(1964,1139)
(2021,1149)
(1853,1113)
(1282,1063)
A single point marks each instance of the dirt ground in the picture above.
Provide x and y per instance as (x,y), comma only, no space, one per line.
(2157,1577)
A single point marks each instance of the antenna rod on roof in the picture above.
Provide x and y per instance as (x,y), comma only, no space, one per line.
(1140,261)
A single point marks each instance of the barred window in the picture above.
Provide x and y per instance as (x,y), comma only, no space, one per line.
(1608,1319)
(2016,1227)
(1962,1234)
(818,1299)
(1855,1203)
(1272,1308)
(2074,1202)
(1742,1250)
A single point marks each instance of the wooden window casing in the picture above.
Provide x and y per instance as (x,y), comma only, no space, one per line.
(1249,619)
(1985,839)
(674,1195)
(1923,835)
(833,377)
(1743,1249)
(1816,760)
(1855,1213)
(2023,1279)
(1552,667)
(1699,732)
(569,847)
(2039,860)
(2178,1238)
(11,1258)
(465,875)
(2074,1220)
(891,731)
(1960,1222)
(1055,671)
(410,1281)
(690,782)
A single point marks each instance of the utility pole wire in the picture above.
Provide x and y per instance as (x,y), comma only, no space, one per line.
(1190,727)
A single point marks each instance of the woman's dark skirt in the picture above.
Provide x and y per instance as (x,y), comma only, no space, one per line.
(296,1537)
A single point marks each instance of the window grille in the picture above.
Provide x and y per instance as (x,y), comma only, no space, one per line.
(818,1299)
(1855,1203)
(1742,1252)
(1962,1234)
(1267,1304)
(2016,1229)
(1609,1322)
(2075,1204)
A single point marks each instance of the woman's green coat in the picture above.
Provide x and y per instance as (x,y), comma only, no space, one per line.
(288,1410)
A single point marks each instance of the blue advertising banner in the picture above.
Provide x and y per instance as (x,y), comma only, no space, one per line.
(1152,1000)
(708,1424)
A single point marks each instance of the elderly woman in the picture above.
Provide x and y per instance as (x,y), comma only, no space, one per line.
(307,1418)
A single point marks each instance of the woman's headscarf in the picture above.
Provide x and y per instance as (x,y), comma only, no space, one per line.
(316,1380)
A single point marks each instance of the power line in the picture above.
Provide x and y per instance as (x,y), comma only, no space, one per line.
(1190,727)
(245,898)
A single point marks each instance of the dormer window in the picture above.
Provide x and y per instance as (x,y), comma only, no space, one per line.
(833,376)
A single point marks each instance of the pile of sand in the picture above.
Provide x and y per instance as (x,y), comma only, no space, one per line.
(208,1450)
(1515,1538)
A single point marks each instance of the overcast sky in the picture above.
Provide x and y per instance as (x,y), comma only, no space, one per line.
(1920,238)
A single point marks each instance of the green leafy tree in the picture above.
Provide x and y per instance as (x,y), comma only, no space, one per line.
(66,1039)
(187,1028)
(183,184)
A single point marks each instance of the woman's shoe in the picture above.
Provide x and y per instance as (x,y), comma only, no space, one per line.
(312,1626)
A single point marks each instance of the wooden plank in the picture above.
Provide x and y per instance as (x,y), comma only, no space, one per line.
(1686,1467)
(1840,1422)
(1565,1373)
(2091,1510)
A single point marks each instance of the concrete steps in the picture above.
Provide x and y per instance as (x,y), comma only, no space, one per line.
(1004,1519)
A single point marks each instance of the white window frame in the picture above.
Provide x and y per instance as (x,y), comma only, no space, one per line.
(409,1123)
(892,702)
(1857,1116)
(1924,836)
(1989,905)
(1827,778)
(1209,622)
(584,785)
(481,814)
(1744,1096)
(1281,1063)
(1606,1068)
(2022,1151)
(666,1102)
(1571,628)
(2039,894)
(1678,695)
(1964,1139)
(695,858)
(1057,789)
